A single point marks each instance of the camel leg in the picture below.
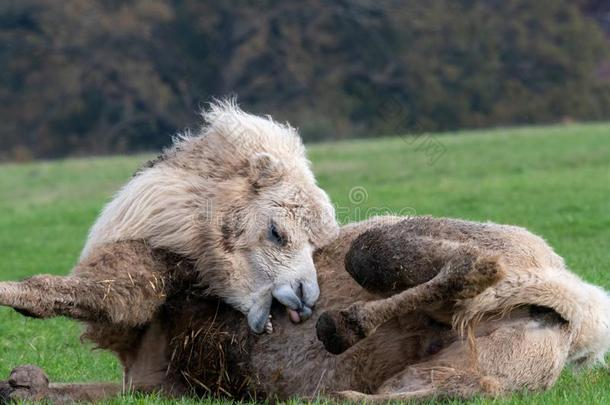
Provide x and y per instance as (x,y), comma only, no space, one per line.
(465,386)
(146,370)
(426,382)
(525,352)
(466,274)
(123,283)
(457,384)
(30,383)
(390,259)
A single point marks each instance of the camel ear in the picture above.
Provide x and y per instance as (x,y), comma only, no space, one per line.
(265,170)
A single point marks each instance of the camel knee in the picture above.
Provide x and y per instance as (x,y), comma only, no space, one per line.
(385,261)
(389,259)
(468,275)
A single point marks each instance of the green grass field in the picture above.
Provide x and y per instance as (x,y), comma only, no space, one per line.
(552,180)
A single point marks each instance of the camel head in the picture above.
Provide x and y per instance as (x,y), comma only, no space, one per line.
(266,215)
(240,201)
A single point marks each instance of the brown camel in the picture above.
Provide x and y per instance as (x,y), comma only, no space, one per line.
(427,308)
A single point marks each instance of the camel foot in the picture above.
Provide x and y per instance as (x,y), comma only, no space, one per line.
(340,330)
(25,383)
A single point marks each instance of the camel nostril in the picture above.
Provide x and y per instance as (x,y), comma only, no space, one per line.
(300,291)
(309,292)
(288,297)
(305,313)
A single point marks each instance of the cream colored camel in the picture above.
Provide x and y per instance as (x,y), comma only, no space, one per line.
(427,308)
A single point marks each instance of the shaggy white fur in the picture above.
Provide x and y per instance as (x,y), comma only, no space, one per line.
(214,198)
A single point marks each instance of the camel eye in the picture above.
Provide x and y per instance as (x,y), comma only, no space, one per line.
(275,236)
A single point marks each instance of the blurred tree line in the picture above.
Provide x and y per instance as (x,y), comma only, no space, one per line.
(112,76)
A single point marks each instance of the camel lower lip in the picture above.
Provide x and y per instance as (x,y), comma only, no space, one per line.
(294,315)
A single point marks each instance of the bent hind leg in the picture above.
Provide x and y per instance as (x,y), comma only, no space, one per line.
(516,353)
(386,260)
(440,383)
(466,273)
